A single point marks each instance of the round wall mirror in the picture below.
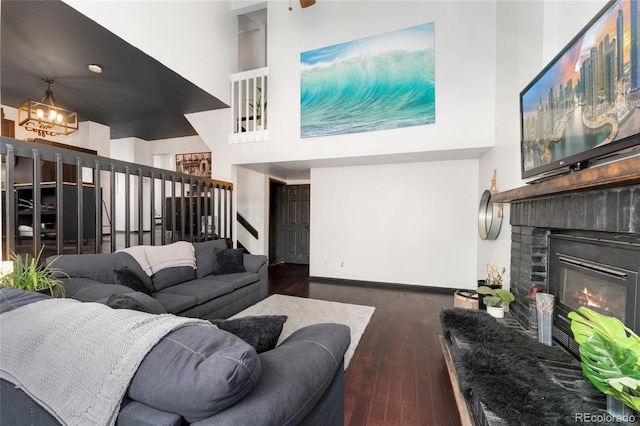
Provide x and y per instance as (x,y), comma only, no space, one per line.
(489,221)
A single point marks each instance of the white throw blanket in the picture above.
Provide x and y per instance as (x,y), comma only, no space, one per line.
(77,359)
(155,258)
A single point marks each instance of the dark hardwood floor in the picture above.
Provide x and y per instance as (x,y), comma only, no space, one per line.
(398,375)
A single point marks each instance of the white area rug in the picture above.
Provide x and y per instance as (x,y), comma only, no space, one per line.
(302,312)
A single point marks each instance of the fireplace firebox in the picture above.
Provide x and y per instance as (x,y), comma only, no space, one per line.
(599,271)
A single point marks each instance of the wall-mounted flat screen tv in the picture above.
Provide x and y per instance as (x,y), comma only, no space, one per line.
(585,105)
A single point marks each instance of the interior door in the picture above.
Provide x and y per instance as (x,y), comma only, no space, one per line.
(297,214)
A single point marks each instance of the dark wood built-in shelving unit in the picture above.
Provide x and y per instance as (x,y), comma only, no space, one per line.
(49,211)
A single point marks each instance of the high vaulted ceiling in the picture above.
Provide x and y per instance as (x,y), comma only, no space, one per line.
(135,95)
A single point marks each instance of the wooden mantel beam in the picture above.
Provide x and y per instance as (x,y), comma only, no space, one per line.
(620,173)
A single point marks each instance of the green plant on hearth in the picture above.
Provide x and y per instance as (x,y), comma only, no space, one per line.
(30,273)
(495,297)
(495,275)
(610,355)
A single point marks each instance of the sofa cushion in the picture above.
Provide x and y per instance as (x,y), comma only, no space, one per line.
(261,332)
(171,276)
(203,289)
(229,261)
(88,290)
(126,276)
(196,371)
(235,280)
(206,256)
(12,298)
(136,301)
(175,303)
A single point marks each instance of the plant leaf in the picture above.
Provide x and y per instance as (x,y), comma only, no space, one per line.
(613,369)
(585,322)
(491,301)
(505,295)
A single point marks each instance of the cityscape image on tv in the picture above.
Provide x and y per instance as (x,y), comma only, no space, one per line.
(590,96)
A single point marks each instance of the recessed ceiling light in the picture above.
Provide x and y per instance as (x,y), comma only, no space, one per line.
(95,68)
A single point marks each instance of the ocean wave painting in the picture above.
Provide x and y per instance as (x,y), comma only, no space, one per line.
(381,82)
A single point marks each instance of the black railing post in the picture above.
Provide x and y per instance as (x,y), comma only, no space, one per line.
(112,205)
(59,205)
(127,207)
(183,207)
(36,225)
(163,192)
(10,204)
(140,208)
(152,209)
(80,206)
(97,195)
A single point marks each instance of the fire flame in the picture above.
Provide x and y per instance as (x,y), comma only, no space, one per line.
(593,301)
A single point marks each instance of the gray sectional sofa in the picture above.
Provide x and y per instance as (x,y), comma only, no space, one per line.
(196,375)
(215,289)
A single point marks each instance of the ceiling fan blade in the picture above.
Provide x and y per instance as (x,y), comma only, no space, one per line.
(307,3)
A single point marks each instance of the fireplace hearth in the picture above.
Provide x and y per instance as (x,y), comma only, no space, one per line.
(596,270)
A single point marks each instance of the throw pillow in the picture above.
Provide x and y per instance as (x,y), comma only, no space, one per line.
(206,256)
(229,261)
(136,301)
(196,371)
(122,301)
(125,276)
(261,332)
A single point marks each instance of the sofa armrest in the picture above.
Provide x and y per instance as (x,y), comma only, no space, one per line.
(253,262)
(295,378)
(258,263)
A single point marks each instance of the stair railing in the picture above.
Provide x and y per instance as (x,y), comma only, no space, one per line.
(192,208)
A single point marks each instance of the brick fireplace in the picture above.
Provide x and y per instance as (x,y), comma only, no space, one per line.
(594,213)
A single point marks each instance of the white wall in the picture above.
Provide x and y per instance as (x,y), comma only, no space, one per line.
(400,223)
(252,200)
(435,232)
(464,98)
(136,151)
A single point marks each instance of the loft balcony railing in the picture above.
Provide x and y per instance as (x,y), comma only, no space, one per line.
(107,205)
(249,96)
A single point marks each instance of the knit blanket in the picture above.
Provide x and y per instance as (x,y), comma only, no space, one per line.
(76,359)
(155,258)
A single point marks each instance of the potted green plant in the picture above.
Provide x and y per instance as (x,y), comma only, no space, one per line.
(34,275)
(494,280)
(610,355)
(258,107)
(495,298)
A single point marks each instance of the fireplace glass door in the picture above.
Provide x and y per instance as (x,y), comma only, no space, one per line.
(598,287)
(602,275)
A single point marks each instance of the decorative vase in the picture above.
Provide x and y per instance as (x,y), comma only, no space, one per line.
(618,409)
(544,308)
(496,311)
